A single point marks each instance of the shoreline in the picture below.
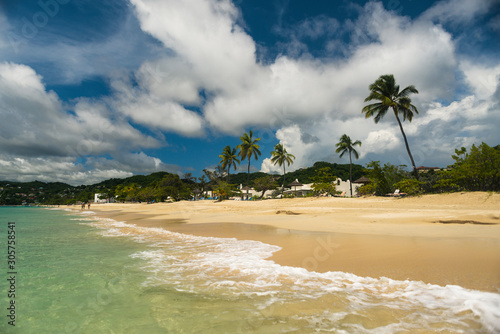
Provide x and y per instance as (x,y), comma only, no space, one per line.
(398,238)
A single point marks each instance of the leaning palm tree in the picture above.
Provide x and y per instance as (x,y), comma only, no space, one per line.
(248,147)
(347,145)
(385,90)
(280,156)
(229,158)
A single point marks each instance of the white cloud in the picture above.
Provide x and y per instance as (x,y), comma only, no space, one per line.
(457,11)
(380,141)
(147,105)
(482,79)
(290,137)
(39,139)
(204,33)
(297,90)
(34,122)
(51,169)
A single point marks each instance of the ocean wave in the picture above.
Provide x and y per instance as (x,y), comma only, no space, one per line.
(335,301)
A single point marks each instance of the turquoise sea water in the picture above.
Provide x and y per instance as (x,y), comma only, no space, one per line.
(80,274)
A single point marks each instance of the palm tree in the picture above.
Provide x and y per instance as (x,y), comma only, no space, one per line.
(385,90)
(248,147)
(346,145)
(229,158)
(280,156)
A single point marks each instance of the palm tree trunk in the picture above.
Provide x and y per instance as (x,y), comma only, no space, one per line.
(248,177)
(284,173)
(350,171)
(406,143)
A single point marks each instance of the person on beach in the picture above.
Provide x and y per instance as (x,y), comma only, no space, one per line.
(83,206)
(88,205)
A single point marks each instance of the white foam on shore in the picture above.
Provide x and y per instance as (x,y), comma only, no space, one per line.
(239,269)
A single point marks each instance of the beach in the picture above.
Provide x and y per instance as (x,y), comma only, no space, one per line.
(445,239)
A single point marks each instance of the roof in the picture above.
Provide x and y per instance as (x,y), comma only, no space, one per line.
(295,183)
(362,179)
(423,167)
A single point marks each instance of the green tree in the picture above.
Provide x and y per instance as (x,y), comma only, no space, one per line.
(411,187)
(280,156)
(171,186)
(225,190)
(85,196)
(323,182)
(347,145)
(146,194)
(387,92)
(229,158)
(249,148)
(383,178)
(478,169)
(264,184)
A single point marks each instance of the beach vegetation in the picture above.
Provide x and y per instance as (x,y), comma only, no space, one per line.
(409,186)
(383,178)
(346,145)
(224,190)
(324,182)
(389,96)
(476,170)
(229,157)
(214,175)
(170,187)
(127,192)
(85,196)
(280,156)
(249,148)
(306,175)
(202,183)
(264,184)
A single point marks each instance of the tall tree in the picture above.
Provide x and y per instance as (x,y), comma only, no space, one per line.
(248,148)
(385,90)
(280,156)
(229,158)
(347,145)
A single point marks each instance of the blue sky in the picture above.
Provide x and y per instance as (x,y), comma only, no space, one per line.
(93,90)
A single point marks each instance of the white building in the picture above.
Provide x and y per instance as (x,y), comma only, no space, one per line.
(104,200)
(344,187)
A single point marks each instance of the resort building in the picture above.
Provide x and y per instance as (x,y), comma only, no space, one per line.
(423,169)
(104,200)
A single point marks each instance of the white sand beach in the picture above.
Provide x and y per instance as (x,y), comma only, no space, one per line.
(441,239)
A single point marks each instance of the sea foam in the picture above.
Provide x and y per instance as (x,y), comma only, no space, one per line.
(332,301)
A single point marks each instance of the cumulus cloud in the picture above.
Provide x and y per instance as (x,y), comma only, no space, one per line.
(154,103)
(205,33)
(35,122)
(483,80)
(295,90)
(39,137)
(50,169)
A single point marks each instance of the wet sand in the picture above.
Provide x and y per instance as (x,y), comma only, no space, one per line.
(438,239)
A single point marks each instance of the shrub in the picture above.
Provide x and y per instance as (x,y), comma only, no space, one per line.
(412,187)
